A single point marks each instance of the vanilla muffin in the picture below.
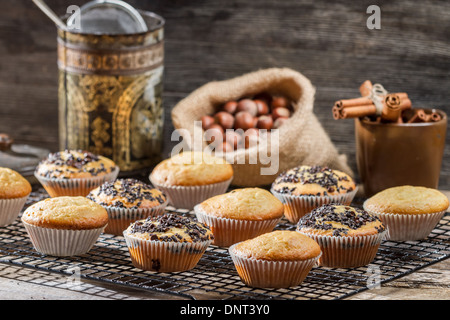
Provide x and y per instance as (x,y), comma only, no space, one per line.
(277,259)
(348,236)
(64,226)
(74,172)
(409,212)
(14,192)
(240,214)
(126,201)
(189,178)
(167,243)
(303,188)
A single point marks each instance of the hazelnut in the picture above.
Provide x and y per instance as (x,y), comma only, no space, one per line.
(225,119)
(233,138)
(247,105)
(207,121)
(279,102)
(279,122)
(264,96)
(251,137)
(262,107)
(213,133)
(244,120)
(265,122)
(280,112)
(224,147)
(230,107)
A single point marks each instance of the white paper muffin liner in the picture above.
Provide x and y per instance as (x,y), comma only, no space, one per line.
(409,227)
(347,251)
(10,209)
(296,206)
(229,231)
(62,242)
(271,274)
(186,197)
(75,186)
(120,219)
(161,256)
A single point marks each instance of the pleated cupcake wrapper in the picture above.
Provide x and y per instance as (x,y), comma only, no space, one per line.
(62,242)
(163,256)
(76,186)
(271,274)
(347,252)
(120,218)
(296,206)
(409,227)
(10,209)
(186,197)
(229,231)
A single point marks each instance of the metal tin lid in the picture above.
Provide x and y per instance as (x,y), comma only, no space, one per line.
(108,17)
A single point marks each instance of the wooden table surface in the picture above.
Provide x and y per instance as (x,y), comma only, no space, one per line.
(213,40)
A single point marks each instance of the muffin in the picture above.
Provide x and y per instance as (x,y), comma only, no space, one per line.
(301,189)
(409,212)
(64,226)
(74,172)
(277,259)
(126,201)
(348,237)
(167,243)
(240,214)
(189,178)
(14,192)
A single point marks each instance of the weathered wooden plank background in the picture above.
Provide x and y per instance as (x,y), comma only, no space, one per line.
(327,41)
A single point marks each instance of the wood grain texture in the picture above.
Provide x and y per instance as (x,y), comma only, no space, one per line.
(213,40)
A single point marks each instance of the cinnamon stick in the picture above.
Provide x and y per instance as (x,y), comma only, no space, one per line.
(435,116)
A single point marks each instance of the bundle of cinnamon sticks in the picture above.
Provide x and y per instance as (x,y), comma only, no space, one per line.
(382,106)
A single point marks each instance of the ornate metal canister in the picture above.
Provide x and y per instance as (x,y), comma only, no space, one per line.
(110,93)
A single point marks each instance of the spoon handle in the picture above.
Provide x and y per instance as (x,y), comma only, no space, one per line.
(50,13)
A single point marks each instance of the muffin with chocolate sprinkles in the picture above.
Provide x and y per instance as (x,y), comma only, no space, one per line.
(126,201)
(303,188)
(74,172)
(167,243)
(348,236)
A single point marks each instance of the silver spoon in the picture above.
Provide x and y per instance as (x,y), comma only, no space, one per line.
(51,14)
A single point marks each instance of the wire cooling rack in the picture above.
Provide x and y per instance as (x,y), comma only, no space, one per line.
(215,276)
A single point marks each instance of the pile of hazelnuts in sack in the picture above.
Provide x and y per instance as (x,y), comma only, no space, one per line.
(245,117)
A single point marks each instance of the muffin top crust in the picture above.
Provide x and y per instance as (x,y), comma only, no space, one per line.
(407,200)
(74,164)
(280,245)
(313,181)
(127,193)
(170,228)
(340,220)
(191,169)
(245,203)
(74,213)
(13,184)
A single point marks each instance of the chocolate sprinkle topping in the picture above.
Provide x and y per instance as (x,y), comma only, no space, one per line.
(323,176)
(73,160)
(157,226)
(133,190)
(352,218)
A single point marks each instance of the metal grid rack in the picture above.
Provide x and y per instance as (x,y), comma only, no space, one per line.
(215,276)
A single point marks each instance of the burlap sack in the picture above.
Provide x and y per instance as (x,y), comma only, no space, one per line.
(302,139)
